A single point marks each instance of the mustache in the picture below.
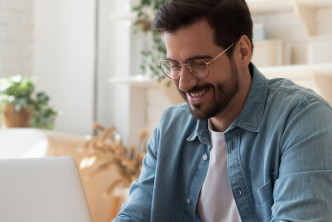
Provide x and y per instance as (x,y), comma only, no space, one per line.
(199,88)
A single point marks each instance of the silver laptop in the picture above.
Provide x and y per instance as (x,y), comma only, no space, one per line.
(42,190)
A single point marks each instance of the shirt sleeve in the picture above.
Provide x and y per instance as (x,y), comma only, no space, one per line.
(303,189)
(138,207)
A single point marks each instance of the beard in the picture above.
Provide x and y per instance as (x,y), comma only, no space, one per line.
(223,94)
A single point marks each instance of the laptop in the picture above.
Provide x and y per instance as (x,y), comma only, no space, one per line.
(47,189)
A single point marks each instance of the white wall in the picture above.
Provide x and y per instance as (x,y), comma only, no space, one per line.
(64,59)
(115,60)
(15,37)
(59,51)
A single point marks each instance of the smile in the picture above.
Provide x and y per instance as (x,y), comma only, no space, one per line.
(199,93)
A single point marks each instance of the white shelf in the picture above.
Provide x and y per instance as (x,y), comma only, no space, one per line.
(129,16)
(135,81)
(298,70)
(270,6)
(288,71)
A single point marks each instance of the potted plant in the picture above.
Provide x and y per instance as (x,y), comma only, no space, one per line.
(146,10)
(20,106)
(104,151)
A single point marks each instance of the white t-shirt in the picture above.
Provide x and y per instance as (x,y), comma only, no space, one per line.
(216,202)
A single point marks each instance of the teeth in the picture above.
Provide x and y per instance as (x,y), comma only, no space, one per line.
(197,94)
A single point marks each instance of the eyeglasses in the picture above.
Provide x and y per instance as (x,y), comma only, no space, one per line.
(197,67)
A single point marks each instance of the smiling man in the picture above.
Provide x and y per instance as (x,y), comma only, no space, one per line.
(242,147)
(218,97)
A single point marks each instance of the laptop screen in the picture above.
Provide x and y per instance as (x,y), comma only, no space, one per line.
(42,189)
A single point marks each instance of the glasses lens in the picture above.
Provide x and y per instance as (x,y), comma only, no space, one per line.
(198,68)
(171,69)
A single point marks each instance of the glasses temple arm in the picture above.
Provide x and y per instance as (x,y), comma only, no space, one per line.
(220,54)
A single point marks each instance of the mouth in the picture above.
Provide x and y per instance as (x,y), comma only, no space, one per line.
(198,93)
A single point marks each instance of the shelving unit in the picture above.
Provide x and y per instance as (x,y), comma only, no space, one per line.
(306,10)
(316,76)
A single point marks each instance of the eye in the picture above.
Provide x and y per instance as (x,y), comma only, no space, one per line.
(174,65)
(196,64)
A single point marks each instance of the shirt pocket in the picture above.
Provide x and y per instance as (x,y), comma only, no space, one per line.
(264,199)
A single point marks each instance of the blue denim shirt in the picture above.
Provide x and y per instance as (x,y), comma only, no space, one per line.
(279,159)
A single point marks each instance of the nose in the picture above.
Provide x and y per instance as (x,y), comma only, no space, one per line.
(187,80)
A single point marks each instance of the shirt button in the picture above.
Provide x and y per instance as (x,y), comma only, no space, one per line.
(188,201)
(205,157)
(240,192)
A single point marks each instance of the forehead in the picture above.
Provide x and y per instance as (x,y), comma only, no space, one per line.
(191,40)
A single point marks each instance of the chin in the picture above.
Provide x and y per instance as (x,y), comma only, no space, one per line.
(197,111)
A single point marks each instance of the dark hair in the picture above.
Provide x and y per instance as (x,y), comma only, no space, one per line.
(230,19)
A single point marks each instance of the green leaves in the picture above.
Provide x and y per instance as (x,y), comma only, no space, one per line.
(16,88)
(43,115)
(19,91)
(146,12)
(42,98)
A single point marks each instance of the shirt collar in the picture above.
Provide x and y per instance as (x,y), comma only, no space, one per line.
(251,115)
(201,131)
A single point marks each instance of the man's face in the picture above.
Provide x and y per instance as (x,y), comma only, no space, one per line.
(210,96)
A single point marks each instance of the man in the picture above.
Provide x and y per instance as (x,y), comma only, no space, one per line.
(243,148)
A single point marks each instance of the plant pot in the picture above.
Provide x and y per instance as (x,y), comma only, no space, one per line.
(12,119)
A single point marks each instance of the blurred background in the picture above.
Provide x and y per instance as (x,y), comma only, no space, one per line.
(86,55)
(97,62)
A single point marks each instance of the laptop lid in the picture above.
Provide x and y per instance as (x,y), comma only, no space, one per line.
(42,189)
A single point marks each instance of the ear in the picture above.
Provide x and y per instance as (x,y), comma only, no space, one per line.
(245,53)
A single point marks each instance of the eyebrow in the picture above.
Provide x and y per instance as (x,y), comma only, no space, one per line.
(191,58)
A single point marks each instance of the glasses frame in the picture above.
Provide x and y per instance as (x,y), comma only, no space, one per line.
(184,64)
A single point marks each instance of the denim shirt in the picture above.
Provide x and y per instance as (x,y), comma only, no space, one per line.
(279,159)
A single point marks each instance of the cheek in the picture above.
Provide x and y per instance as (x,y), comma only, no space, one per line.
(219,72)
(176,83)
